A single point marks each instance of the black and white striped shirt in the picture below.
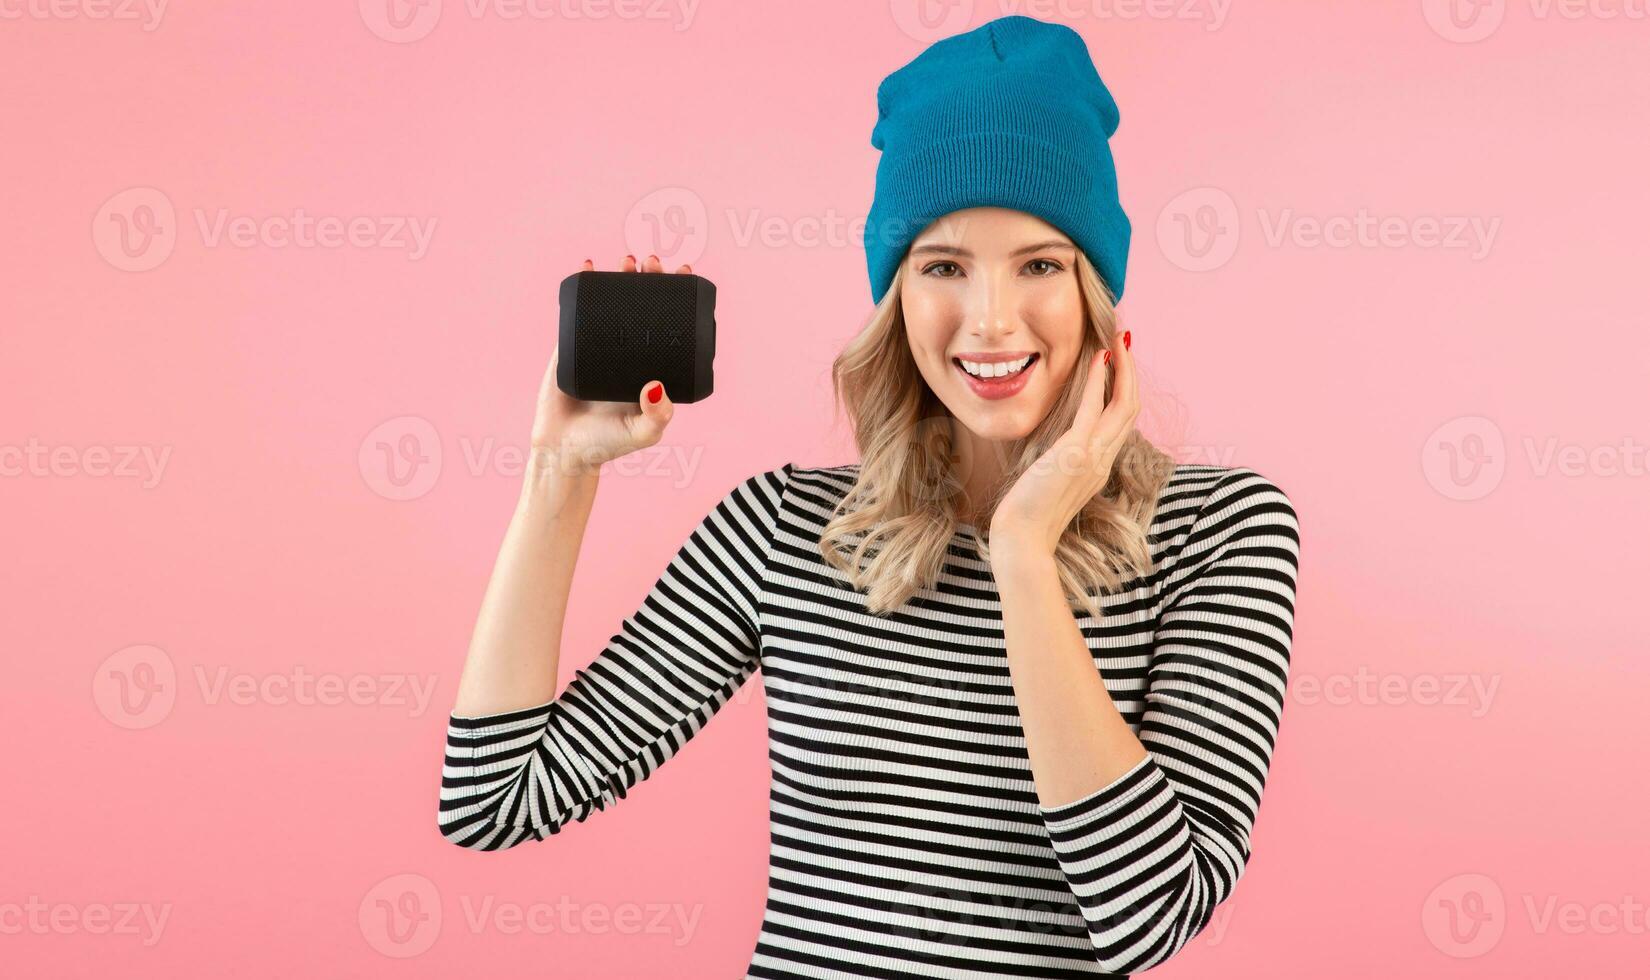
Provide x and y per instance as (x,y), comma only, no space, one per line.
(907,839)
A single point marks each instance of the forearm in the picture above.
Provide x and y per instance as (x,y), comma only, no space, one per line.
(1076,740)
(516,643)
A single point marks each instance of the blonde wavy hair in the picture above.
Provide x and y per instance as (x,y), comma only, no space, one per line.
(890,532)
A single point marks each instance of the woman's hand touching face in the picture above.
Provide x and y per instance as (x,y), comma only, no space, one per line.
(1046,497)
(576,437)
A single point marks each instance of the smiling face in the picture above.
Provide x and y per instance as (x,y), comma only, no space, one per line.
(994,317)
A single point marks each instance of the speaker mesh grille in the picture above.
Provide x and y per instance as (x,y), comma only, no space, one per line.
(639,326)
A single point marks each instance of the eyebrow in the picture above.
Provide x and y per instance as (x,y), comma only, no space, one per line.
(939,249)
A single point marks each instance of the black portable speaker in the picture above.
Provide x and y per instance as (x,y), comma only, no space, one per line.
(618,329)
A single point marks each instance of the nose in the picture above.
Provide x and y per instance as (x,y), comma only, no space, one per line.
(991,312)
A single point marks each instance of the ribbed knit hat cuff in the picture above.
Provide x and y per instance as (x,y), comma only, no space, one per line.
(1009,170)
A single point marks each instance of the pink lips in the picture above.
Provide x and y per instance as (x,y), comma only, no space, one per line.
(994,388)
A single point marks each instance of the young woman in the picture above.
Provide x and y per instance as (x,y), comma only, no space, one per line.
(1023,672)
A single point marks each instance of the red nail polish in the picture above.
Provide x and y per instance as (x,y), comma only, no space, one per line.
(654,392)
(630,257)
(1106,359)
(1126,339)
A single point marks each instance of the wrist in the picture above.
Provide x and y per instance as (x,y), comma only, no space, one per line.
(552,475)
(545,462)
(1019,543)
(1019,554)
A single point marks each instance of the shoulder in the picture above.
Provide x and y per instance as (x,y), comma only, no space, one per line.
(826,484)
(1204,488)
(1207,511)
(841,473)
(792,474)
(812,486)
(803,496)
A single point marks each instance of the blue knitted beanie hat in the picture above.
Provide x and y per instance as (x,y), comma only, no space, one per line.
(1010,114)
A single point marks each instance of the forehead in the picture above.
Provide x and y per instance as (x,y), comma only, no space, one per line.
(987,229)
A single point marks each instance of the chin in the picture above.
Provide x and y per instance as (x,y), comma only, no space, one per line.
(1001,426)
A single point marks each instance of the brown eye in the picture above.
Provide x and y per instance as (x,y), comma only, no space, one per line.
(1053,267)
(927,270)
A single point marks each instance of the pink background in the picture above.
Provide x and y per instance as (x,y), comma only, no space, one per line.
(1403,392)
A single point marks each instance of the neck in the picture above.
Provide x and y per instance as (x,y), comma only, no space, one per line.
(980,463)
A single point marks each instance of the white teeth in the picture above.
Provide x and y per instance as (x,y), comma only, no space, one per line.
(996,370)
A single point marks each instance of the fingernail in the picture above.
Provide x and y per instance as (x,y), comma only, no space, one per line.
(1126,339)
(1106,359)
(654,392)
(630,257)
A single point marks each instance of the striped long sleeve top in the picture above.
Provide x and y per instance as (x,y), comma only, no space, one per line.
(906,835)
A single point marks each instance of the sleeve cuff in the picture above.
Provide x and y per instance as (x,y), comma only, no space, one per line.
(1141,779)
(470,726)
